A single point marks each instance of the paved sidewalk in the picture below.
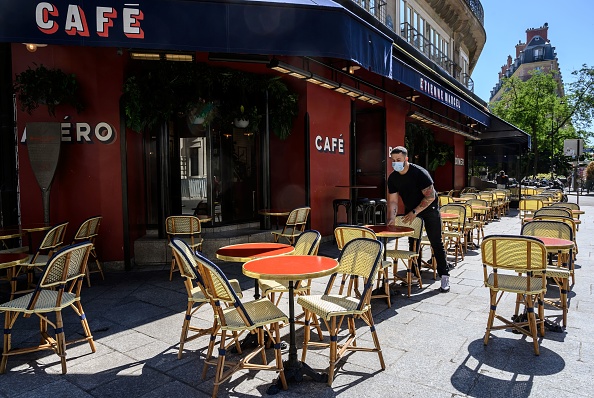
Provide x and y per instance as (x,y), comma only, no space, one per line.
(432,342)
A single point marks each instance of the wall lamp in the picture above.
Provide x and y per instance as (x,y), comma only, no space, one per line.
(427,120)
(290,70)
(153,56)
(299,73)
(323,82)
(32,47)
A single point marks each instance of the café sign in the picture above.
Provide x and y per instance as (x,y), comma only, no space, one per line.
(83,133)
(330,144)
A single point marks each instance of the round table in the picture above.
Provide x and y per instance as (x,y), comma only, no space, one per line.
(242,252)
(274,213)
(292,269)
(9,261)
(390,231)
(448,216)
(203,218)
(556,243)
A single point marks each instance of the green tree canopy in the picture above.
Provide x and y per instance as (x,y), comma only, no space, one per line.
(537,106)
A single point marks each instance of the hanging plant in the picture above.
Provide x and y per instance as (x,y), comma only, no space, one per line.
(202,112)
(49,87)
(283,108)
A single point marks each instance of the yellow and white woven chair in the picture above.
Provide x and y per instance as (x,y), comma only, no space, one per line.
(560,272)
(307,244)
(504,256)
(197,296)
(58,288)
(257,316)
(52,241)
(360,257)
(187,228)
(343,235)
(455,233)
(294,226)
(527,207)
(88,230)
(409,258)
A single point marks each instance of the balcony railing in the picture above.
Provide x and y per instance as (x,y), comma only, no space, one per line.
(377,8)
(477,9)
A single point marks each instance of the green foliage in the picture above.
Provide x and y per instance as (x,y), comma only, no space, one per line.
(50,87)
(158,91)
(590,172)
(423,150)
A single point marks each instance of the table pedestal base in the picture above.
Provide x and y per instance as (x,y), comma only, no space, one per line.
(294,373)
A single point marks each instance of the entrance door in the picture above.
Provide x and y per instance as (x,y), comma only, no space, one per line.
(370,151)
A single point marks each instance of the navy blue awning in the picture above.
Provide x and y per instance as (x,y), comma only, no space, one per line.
(317,28)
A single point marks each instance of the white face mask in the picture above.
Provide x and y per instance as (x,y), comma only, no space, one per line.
(398,166)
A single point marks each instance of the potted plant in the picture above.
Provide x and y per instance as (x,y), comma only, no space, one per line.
(201,112)
(50,87)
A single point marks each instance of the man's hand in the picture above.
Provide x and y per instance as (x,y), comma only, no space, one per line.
(391,221)
(409,217)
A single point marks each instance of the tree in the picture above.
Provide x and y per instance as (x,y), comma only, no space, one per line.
(535,106)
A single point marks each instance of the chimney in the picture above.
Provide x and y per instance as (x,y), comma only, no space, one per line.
(542,32)
(509,61)
(519,48)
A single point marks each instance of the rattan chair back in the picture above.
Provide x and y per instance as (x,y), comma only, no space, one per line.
(182,225)
(514,253)
(217,285)
(66,265)
(568,205)
(88,230)
(458,209)
(552,211)
(54,238)
(184,256)
(416,224)
(347,233)
(548,229)
(360,257)
(308,243)
(469,195)
(530,205)
(445,199)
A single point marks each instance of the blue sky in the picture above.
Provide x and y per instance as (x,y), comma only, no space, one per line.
(506,22)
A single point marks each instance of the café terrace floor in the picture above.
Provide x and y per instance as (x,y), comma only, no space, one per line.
(432,342)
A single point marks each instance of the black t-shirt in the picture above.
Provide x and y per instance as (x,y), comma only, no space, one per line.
(410,185)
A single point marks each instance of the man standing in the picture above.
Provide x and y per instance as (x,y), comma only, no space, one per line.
(415,186)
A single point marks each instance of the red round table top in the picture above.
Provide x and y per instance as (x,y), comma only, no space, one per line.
(391,231)
(448,216)
(243,252)
(12,259)
(290,268)
(555,243)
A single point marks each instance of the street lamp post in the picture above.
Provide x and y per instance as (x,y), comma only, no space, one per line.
(552,143)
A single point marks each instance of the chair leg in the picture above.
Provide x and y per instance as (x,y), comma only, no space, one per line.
(172,269)
(8,322)
(85,325)
(376,342)
(306,333)
(532,323)
(211,344)
(61,343)
(493,308)
(333,350)
(220,365)
(278,355)
(185,327)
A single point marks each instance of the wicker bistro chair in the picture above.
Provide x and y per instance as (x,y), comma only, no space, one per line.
(189,229)
(307,244)
(445,199)
(257,316)
(345,234)
(515,254)
(197,296)
(58,288)
(569,221)
(553,211)
(527,207)
(560,272)
(570,206)
(294,226)
(52,241)
(410,258)
(360,257)
(455,233)
(88,230)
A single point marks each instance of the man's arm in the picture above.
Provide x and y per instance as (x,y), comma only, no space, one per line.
(392,207)
(428,198)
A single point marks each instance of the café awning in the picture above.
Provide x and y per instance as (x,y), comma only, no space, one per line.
(316,28)
(502,132)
